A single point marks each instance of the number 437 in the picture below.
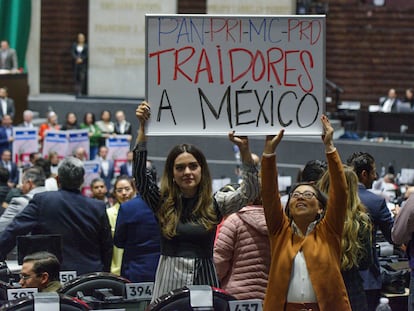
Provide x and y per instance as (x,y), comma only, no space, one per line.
(246,305)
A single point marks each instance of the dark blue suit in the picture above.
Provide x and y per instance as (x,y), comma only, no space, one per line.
(81,221)
(381,219)
(137,232)
(124,169)
(4,140)
(14,172)
(109,176)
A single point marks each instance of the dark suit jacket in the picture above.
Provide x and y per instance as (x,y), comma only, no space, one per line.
(395,104)
(10,108)
(127,131)
(381,219)
(111,173)
(4,140)
(81,221)
(14,173)
(138,233)
(84,55)
(10,61)
(124,169)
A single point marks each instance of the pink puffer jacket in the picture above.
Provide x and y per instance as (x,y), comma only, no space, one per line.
(242,253)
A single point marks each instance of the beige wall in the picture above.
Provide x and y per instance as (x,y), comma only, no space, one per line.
(33,50)
(251,7)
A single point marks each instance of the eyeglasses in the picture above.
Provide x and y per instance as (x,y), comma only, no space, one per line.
(26,277)
(306,195)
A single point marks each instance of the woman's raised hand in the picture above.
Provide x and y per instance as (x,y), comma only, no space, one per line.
(272,141)
(327,133)
(143,112)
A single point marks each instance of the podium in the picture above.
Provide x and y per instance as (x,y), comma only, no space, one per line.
(18,90)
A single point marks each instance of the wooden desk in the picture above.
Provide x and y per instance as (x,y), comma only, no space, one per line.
(18,90)
(385,122)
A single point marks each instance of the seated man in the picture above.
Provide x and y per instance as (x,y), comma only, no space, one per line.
(81,222)
(391,102)
(41,270)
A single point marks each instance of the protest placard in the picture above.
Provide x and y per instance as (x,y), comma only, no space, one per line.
(118,148)
(209,74)
(76,139)
(91,172)
(55,141)
(25,142)
(65,142)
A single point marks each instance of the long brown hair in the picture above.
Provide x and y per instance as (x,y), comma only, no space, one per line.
(357,226)
(170,210)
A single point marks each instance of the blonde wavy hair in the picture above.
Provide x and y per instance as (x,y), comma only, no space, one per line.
(357,227)
(171,209)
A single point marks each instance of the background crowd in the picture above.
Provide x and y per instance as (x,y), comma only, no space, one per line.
(174,231)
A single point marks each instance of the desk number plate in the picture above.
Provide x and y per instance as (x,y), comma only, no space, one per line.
(246,305)
(139,291)
(15,293)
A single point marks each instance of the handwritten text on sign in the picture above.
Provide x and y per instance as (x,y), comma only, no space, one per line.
(212,74)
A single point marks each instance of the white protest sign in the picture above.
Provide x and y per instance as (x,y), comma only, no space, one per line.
(91,172)
(55,141)
(76,139)
(209,74)
(25,142)
(118,148)
(65,142)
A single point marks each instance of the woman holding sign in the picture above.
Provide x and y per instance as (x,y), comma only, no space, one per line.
(305,239)
(186,209)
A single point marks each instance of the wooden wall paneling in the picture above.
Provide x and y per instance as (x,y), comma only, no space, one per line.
(368,50)
(61,21)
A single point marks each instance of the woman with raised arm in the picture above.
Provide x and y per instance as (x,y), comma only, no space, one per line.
(356,240)
(186,209)
(306,238)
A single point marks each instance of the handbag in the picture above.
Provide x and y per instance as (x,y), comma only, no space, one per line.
(394,281)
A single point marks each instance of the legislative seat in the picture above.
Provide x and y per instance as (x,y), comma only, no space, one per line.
(88,284)
(66,303)
(180,299)
(4,286)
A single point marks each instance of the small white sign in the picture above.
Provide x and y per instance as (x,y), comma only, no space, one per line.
(46,301)
(139,291)
(16,293)
(201,296)
(67,276)
(246,305)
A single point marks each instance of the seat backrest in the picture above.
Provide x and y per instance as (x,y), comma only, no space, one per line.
(88,283)
(27,304)
(404,107)
(179,299)
(3,291)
